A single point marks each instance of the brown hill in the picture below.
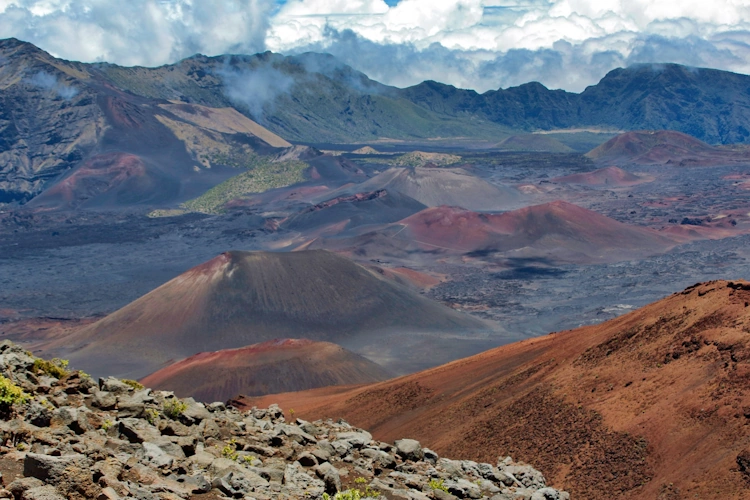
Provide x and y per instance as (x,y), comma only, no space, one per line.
(434,186)
(242,298)
(607,176)
(663,147)
(109,179)
(274,366)
(557,230)
(653,404)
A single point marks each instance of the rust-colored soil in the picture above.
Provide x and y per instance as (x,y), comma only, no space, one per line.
(558,228)
(654,404)
(664,147)
(608,176)
(39,331)
(240,298)
(273,366)
(11,468)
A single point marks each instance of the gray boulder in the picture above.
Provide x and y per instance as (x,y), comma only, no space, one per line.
(409,449)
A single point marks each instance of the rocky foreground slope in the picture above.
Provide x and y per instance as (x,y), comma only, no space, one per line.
(70,437)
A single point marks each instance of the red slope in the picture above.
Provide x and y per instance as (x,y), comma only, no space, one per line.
(100,175)
(663,147)
(607,176)
(654,404)
(555,229)
(242,298)
(272,366)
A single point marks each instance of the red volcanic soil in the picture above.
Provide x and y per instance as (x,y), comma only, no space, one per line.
(608,176)
(272,366)
(243,298)
(123,113)
(119,176)
(39,331)
(558,229)
(708,228)
(663,147)
(653,404)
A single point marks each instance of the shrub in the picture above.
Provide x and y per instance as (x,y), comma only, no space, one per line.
(10,393)
(264,175)
(344,495)
(133,383)
(152,416)
(354,493)
(173,408)
(230,450)
(55,367)
(437,484)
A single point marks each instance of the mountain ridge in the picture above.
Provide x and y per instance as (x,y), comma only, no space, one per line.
(57,115)
(639,97)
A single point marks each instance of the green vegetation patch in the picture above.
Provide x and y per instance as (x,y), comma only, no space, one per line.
(10,393)
(133,383)
(419,158)
(243,157)
(437,484)
(170,212)
(174,408)
(55,367)
(265,176)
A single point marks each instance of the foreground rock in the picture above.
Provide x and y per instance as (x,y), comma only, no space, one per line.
(113,439)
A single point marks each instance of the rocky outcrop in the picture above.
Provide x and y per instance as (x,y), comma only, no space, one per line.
(77,439)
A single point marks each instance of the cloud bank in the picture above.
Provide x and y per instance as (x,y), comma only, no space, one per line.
(479,44)
(49,82)
(256,89)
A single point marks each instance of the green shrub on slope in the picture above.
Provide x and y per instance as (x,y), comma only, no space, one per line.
(258,180)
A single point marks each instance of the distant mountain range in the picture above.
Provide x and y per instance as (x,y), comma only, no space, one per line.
(708,104)
(56,115)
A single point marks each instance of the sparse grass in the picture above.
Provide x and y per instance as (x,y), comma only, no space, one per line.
(354,493)
(261,178)
(419,158)
(243,158)
(170,212)
(437,484)
(133,383)
(230,450)
(173,408)
(152,416)
(55,367)
(10,393)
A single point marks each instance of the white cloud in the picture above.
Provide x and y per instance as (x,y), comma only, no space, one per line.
(137,32)
(482,44)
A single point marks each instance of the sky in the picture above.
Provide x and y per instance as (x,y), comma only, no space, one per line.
(477,44)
